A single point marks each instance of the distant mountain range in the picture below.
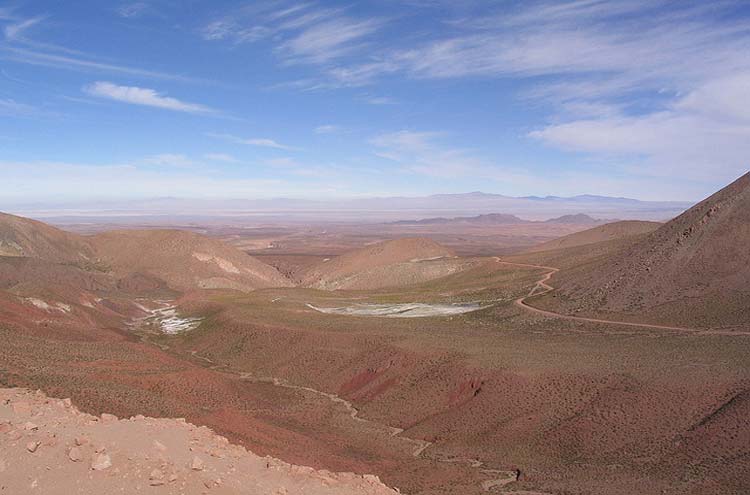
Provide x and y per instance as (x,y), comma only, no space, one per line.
(501,219)
(357,209)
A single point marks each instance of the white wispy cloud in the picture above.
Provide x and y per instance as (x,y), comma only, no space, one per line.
(40,180)
(327,40)
(79,63)
(379,100)
(6,14)
(130,10)
(220,157)
(327,129)
(302,33)
(421,153)
(704,133)
(227,29)
(15,31)
(21,48)
(588,60)
(13,108)
(261,142)
(170,160)
(143,96)
(427,154)
(609,46)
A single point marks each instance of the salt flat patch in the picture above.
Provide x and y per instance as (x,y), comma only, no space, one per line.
(57,306)
(405,310)
(39,303)
(167,319)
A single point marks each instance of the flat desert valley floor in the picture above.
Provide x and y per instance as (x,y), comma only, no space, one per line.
(455,358)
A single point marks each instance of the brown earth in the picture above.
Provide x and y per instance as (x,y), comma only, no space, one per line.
(184,260)
(23,237)
(693,271)
(607,232)
(49,446)
(578,406)
(385,264)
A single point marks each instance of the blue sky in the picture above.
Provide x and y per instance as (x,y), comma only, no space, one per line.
(645,99)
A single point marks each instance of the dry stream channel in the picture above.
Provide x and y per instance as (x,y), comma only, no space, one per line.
(166,318)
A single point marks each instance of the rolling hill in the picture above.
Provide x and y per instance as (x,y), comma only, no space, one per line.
(607,232)
(693,270)
(385,264)
(184,260)
(23,237)
(34,254)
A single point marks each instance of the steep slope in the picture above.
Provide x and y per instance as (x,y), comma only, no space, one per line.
(184,260)
(385,264)
(23,237)
(694,270)
(48,446)
(607,232)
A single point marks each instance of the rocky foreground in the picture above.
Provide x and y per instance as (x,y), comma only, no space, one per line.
(47,446)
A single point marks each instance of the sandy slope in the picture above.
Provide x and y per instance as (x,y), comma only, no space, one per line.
(386,264)
(607,232)
(22,237)
(48,446)
(692,271)
(185,260)
(180,259)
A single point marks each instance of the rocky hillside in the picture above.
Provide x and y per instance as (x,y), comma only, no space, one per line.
(693,270)
(48,446)
(607,232)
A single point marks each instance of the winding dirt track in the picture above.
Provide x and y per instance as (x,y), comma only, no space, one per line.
(506,477)
(542,287)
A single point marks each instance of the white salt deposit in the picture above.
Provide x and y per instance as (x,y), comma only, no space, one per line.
(168,319)
(407,310)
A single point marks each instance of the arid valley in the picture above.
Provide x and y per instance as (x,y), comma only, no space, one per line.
(606,358)
(346,247)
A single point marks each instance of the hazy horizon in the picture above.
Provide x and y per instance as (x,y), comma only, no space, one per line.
(365,209)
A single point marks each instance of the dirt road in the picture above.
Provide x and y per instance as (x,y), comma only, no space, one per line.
(542,287)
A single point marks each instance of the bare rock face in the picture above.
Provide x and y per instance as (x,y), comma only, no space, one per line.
(196,464)
(108,418)
(100,461)
(160,456)
(75,454)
